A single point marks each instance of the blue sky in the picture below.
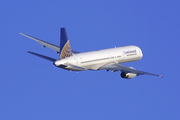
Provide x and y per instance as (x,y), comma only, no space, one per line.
(33,88)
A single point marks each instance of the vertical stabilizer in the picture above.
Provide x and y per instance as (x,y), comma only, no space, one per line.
(65,48)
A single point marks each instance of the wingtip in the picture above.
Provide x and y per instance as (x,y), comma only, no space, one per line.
(22,34)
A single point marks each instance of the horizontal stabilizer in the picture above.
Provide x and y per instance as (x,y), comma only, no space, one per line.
(42,56)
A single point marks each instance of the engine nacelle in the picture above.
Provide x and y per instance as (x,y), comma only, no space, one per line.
(128,75)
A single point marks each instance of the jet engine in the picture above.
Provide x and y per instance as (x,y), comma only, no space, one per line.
(128,75)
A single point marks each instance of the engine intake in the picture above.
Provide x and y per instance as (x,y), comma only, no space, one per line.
(128,75)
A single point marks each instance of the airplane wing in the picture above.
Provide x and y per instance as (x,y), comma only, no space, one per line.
(118,67)
(46,44)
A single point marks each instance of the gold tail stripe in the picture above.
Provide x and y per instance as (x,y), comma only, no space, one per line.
(66,51)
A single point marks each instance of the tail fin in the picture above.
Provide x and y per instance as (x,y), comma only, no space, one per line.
(65,48)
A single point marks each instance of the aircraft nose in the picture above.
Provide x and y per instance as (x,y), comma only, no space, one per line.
(140,52)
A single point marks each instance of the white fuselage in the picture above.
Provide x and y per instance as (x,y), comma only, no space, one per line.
(95,59)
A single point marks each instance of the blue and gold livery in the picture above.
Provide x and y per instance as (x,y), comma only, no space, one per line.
(65,48)
(107,59)
(66,51)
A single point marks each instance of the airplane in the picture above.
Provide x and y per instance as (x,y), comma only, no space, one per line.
(106,59)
